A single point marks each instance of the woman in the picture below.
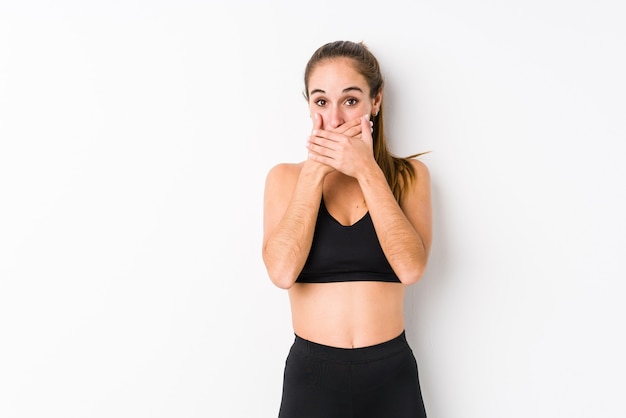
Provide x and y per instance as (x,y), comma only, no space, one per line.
(346,231)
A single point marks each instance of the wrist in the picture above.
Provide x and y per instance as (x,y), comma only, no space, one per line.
(315,171)
(372,173)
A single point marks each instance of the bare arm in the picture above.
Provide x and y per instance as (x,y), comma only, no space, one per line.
(292,199)
(291,202)
(404,230)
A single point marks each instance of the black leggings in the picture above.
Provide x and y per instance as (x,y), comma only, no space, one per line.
(379,381)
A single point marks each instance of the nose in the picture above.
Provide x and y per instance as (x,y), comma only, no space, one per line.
(335,117)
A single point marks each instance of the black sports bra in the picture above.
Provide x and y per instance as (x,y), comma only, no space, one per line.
(345,253)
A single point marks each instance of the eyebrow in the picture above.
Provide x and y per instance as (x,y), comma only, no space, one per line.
(346,90)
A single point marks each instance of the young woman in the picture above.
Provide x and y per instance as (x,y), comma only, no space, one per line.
(345,231)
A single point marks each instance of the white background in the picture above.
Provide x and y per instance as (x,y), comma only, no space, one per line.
(134,141)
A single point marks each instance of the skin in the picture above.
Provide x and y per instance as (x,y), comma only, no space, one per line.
(341,167)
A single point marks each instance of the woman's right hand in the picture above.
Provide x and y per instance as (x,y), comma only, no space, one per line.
(347,148)
(351,129)
(312,164)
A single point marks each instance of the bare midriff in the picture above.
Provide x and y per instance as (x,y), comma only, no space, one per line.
(347,314)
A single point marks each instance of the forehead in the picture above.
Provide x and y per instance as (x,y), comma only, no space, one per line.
(332,75)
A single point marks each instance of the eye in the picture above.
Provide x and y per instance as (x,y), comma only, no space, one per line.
(320,102)
(351,102)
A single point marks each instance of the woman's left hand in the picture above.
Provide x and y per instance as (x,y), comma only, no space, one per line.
(348,148)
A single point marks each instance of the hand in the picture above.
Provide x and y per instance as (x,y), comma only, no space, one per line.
(317,124)
(348,148)
(351,129)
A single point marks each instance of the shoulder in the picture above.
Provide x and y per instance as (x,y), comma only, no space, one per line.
(418,173)
(284,169)
(280,184)
(284,172)
(422,174)
(418,190)
(282,178)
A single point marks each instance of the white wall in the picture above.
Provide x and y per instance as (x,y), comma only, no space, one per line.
(134,141)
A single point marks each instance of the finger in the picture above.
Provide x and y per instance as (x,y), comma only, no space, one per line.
(351,129)
(327,139)
(320,150)
(317,121)
(321,140)
(367,129)
(348,126)
(354,131)
(317,125)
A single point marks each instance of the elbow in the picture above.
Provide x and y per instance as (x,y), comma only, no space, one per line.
(411,270)
(411,276)
(280,270)
(282,281)
(281,276)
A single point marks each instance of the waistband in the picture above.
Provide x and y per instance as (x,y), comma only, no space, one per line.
(351,355)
